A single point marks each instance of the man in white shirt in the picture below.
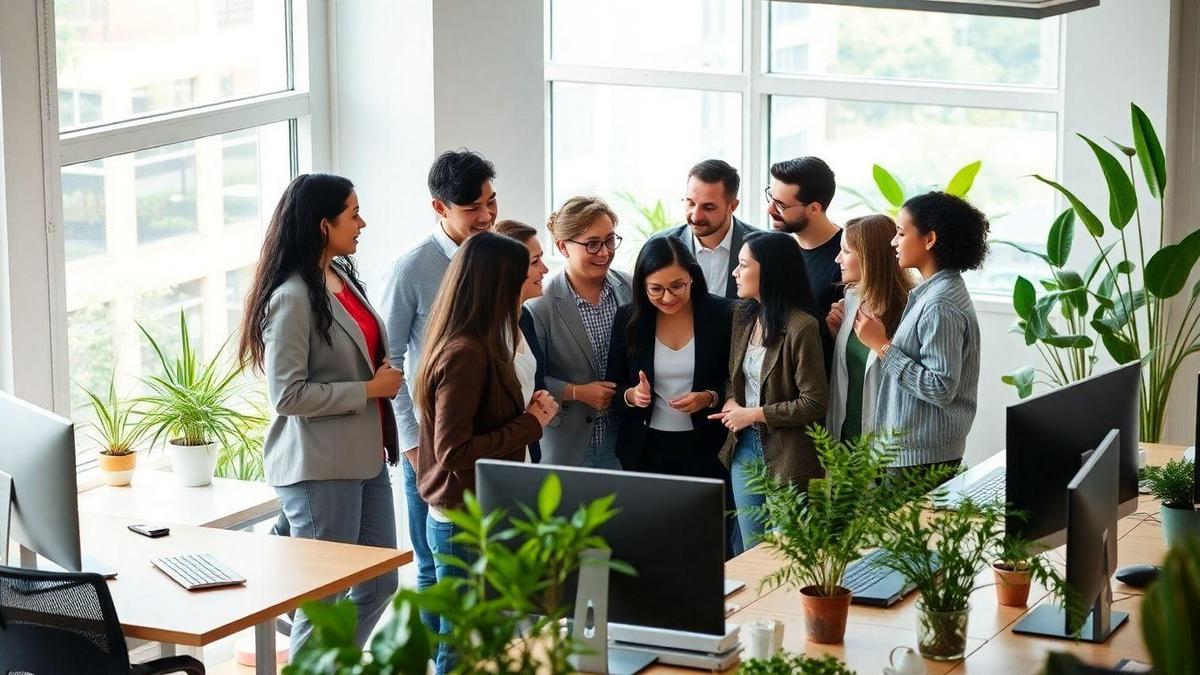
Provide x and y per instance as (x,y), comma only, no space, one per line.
(712,232)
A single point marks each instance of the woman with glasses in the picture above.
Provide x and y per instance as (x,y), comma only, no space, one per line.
(573,321)
(777,383)
(668,358)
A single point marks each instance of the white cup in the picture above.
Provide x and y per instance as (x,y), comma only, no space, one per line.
(1143,457)
(908,663)
(759,639)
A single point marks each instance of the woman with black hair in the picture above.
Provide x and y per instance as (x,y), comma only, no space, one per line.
(931,363)
(777,381)
(309,328)
(668,356)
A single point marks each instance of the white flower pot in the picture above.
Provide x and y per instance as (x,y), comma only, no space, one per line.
(193,464)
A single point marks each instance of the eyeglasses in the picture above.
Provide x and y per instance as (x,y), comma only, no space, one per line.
(676,289)
(592,246)
(780,206)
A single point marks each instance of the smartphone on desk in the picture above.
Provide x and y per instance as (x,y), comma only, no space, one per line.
(150,530)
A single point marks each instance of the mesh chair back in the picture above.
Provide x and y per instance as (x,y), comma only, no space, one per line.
(58,622)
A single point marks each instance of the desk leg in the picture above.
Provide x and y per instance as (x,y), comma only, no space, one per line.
(264,648)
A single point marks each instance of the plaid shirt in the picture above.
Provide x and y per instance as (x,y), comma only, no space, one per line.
(598,322)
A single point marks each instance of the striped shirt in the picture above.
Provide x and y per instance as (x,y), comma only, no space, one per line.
(598,322)
(930,379)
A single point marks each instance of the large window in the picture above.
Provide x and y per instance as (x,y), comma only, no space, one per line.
(751,82)
(180,130)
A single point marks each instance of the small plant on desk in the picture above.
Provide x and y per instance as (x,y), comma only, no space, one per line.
(821,528)
(115,432)
(787,663)
(1171,484)
(1018,562)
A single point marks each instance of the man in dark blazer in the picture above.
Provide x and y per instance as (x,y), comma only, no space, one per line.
(711,232)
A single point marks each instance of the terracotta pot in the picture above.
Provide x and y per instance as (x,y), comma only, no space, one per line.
(825,617)
(1012,586)
(117,469)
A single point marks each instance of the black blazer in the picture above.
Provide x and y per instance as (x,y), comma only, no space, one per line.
(740,230)
(712,326)
(539,376)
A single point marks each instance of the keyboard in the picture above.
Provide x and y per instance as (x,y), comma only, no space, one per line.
(865,573)
(196,571)
(987,489)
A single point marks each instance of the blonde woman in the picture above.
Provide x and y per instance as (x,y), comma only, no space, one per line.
(878,286)
(573,322)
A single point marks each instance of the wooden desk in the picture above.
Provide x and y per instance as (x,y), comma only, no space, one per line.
(871,633)
(281,573)
(156,496)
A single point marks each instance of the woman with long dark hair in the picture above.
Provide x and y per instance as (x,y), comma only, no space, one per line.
(777,381)
(668,356)
(309,328)
(470,398)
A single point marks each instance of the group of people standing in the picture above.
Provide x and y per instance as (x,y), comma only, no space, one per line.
(721,348)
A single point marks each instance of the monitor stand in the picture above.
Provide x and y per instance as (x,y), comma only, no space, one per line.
(28,559)
(1050,620)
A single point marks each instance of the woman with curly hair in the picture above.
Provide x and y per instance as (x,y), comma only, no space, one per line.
(930,364)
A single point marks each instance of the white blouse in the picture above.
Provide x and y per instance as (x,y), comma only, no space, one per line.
(752,364)
(673,374)
(525,365)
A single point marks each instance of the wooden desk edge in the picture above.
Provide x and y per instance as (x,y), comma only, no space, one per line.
(398,560)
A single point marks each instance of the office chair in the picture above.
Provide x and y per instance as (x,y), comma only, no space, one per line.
(65,622)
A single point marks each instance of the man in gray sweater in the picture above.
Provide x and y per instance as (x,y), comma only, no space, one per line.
(460,185)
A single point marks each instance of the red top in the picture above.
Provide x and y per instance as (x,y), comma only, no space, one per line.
(370,330)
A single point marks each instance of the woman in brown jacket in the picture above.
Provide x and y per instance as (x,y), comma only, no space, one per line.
(473,405)
(777,375)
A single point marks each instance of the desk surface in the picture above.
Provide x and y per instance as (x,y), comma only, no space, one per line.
(156,496)
(281,572)
(871,633)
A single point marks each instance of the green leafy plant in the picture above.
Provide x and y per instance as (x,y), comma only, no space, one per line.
(654,218)
(115,429)
(191,402)
(820,530)
(243,459)
(1172,483)
(1122,300)
(790,663)
(1171,612)
(894,191)
(506,613)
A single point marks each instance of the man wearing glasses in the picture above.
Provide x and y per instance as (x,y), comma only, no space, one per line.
(711,232)
(798,202)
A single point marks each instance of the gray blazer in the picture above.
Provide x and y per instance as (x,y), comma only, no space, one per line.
(323,425)
(569,359)
(740,230)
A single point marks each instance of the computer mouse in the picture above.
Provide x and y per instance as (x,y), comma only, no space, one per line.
(1137,576)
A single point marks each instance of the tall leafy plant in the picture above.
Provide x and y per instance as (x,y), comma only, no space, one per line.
(114,430)
(895,192)
(1130,298)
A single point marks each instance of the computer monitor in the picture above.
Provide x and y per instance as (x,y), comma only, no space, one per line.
(1047,435)
(37,460)
(671,529)
(1091,552)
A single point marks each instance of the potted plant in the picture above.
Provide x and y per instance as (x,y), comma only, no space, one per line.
(788,663)
(116,433)
(191,406)
(1017,563)
(1171,484)
(820,530)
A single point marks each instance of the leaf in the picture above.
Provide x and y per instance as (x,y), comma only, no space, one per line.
(549,496)
(1094,266)
(1118,347)
(1090,221)
(1062,233)
(1122,199)
(1068,280)
(1125,149)
(962,181)
(1149,152)
(1023,248)
(1021,378)
(1069,341)
(1168,269)
(889,187)
(1024,296)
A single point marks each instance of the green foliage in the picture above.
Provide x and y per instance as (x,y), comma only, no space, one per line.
(191,402)
(114,429)
(822,529)
(1172,483)
(654,218)
(1171,612)
(242,458)
(507,612)
(1125,308)
(895,193)
(789,663)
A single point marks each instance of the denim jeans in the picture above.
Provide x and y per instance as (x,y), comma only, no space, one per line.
(604,455)
(749,448)
(439,535)
(417,512)
(350,512)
